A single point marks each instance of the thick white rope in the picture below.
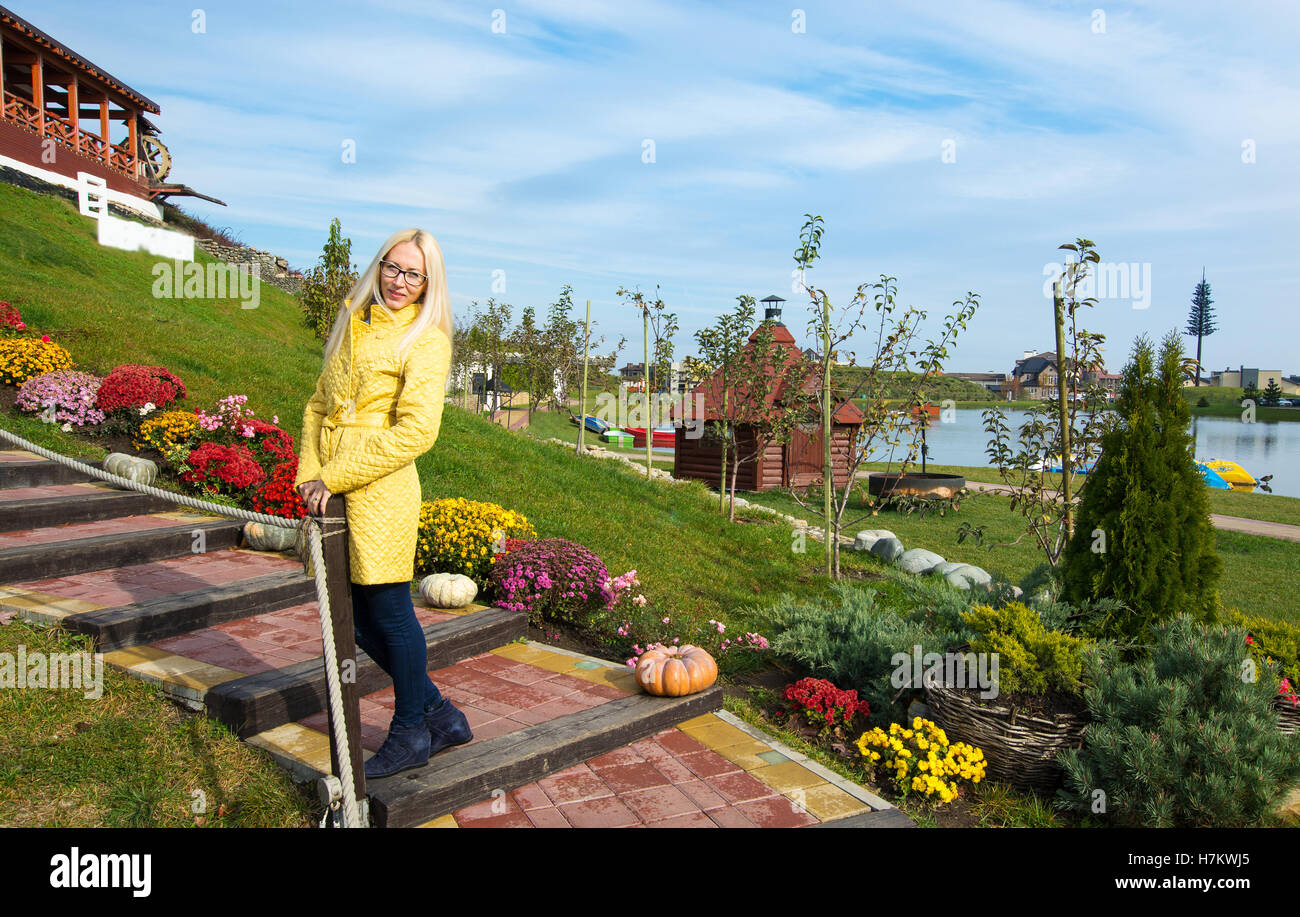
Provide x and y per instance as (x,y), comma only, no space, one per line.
(351,809)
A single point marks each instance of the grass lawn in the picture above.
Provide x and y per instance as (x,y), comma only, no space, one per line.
(129,758)
(1258,576)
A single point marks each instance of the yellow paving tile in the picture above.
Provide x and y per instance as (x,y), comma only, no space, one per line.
(828,802)
(209,676)
(446,821)
(306,746)
(746,754)
(717,735)
(787,776)
(704,719)
(615,678)
(521,653)
(131,656)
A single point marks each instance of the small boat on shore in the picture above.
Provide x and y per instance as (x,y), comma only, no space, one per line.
(1233,475)
(594,424)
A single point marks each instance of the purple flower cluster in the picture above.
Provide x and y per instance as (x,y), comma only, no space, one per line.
(65,396)
(551,578)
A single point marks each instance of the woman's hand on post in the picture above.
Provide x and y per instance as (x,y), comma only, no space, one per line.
(315,494)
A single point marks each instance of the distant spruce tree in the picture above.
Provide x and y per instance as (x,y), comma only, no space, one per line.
(1272,394)
(1200,321)
(1143,534)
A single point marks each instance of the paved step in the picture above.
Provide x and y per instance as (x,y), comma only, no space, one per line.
(709,771)
(25,469)
(460,776)
(81,547)
(60,504)
(155,619)
(261,701)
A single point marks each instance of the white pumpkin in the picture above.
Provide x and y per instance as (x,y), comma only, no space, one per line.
(448,590)
(131,467)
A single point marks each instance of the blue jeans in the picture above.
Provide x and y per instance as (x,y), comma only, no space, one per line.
(387,629)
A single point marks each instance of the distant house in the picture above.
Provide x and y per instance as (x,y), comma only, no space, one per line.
(1243,377)
(991,381)
(1038,378)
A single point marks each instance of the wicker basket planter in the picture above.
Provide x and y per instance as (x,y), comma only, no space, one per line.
(1021,748)
(1288,716)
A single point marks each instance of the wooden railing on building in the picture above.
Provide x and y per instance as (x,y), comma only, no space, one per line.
(23,113)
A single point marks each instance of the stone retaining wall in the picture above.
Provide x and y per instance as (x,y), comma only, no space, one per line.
(273,269)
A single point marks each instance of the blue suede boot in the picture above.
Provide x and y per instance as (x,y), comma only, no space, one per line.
(406,747)
(447,727)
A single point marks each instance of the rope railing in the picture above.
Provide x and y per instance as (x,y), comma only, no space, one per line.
(313,525)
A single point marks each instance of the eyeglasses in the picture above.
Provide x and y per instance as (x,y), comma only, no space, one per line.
(390,270)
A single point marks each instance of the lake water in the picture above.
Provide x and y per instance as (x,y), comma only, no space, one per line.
(1260,448)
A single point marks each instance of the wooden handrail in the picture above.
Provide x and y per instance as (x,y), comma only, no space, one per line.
(25,114)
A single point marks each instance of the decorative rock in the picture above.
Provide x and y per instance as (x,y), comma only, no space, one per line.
(888,549)
(261,537)
(919,560)
(967,575)
(869,537)
(915,709)
(946,567)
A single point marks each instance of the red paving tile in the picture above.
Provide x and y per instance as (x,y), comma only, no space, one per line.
(625,755)
(702,794)
(574,785)
(640,775)
(708,763)
(776,812)
(687,820)
(54,490)
(598,813)
(727,817)
(120,525)
(548,817)
(658,802)
(678,742)
(739,787)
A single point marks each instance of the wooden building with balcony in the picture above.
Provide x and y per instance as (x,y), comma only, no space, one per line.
(62,113)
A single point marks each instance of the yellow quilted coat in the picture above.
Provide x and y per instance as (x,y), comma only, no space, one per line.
(363,429)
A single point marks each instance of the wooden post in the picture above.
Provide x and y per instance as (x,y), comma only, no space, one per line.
(74,112)
(103,126)
(38,90)
(345,647)
(2,79)
(133,142)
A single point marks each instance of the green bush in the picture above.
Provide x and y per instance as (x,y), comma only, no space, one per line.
(1031,658)
(1180,738)
(852,640)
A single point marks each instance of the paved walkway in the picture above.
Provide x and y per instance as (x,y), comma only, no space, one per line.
(1227,523)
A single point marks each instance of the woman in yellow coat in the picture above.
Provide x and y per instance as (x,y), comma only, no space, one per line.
(376,409)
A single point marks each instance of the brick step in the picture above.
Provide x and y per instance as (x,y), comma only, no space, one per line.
(47,505)
(261,701)
(468,774)
(156,619)
(81,547)
(24,469)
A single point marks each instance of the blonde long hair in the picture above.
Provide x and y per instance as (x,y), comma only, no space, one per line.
(435,303)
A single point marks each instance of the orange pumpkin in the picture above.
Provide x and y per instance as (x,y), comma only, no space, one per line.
(673,671)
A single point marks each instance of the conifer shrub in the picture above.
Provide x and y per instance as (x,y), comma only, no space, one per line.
(1183,737)
(852,640)
(1032,658)
(1142,535)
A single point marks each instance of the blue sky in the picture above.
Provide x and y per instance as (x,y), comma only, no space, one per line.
(521,149)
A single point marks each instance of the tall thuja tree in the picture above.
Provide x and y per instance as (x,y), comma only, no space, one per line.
(1200,321)
(1143,535)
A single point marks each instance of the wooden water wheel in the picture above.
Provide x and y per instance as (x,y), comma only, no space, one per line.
(156,159)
